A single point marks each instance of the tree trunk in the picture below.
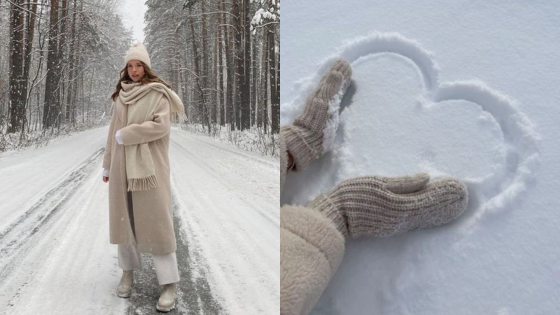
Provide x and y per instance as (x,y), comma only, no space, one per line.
(31,13)
(253,82)
(17,105)
(79,80)
(243,69)
(274,93)
(197,69)
(61,47)
(262,106)
(216,84)
(71,96)
(266,82)
(204,71)
(221,86)
(232,66)
(238,64)
(50,112)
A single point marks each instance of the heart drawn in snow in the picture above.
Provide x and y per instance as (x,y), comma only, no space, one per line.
(497,163)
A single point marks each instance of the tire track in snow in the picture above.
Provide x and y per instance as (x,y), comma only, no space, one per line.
(266,192)
(193,293)
(233,242)
(17,237)
(220,178)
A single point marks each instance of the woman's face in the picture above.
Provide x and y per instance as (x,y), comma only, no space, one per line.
(135,70)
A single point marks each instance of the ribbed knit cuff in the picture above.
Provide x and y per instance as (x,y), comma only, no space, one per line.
(325,205)
(367,206)
(302,144)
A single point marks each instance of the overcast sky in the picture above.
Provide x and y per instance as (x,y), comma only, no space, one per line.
(133,16)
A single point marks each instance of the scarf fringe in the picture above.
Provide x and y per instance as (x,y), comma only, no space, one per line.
(139,184)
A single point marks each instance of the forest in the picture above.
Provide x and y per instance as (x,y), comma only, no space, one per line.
(60,61)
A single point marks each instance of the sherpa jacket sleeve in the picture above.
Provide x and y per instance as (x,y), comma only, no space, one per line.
(150,130)
(110,137)
(311,249)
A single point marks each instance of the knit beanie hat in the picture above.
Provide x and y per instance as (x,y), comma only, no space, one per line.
(138,51)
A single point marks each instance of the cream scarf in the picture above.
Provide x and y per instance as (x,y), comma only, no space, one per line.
(141,105)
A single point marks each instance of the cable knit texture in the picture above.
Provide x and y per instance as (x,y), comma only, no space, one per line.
(385,206)
(304,138)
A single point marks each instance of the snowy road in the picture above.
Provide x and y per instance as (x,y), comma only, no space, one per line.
(55,256)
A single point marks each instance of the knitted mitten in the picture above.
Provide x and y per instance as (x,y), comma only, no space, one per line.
(312,238)
(312,132)
(384,206)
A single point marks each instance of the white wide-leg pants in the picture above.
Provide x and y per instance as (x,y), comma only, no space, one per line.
(129,257)
(165,265)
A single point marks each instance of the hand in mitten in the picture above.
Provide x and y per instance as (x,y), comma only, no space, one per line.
(384,206)
(312,132)
(312,237)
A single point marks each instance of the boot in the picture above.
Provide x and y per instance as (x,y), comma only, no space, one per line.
(124,290)
(167,298)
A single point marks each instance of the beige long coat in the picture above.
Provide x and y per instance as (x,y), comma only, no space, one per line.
(152,212)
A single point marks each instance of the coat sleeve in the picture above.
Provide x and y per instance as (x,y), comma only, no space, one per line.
(311,249)
(110,139)
(149,130)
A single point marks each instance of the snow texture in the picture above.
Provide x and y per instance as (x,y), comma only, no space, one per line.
(55,255)
(254,139)
(477,106)
(329,132)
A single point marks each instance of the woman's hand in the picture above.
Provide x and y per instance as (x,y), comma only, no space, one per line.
(105,175)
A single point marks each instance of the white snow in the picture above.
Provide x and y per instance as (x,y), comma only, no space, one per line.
(331,126)
(230,207)
(451,89)
(55,255)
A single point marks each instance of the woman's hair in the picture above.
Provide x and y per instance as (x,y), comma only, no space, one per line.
(149,76)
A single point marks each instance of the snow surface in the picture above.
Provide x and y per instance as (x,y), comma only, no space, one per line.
(55,256)
(331,125)
(459,89)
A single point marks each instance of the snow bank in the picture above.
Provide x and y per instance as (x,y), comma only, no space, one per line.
(255,139)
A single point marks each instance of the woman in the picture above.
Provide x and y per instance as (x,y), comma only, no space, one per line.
(137,162)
